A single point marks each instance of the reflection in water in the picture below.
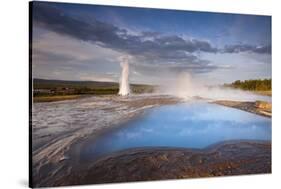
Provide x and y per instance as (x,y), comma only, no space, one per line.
(191,125)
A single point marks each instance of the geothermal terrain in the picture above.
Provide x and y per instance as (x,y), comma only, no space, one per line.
(61,128)
(57,126)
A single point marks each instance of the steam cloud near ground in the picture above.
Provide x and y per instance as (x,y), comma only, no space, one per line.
(184,86)
(187,87)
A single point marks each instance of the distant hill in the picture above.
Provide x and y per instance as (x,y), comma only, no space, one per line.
(47,84)
(45,87)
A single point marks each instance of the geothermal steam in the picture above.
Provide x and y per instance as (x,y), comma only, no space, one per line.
(187,87)
(124,88)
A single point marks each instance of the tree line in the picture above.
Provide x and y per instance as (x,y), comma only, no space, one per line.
(252,84)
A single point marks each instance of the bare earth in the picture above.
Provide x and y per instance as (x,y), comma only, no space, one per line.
(59,126)
(259,107)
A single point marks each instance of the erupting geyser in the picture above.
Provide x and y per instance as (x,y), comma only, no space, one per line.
(124,88)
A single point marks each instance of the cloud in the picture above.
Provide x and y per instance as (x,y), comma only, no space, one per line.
(176,68)
(151,45)
(84,41)
(42,56)
(73,59)
(98,77)
(261,49)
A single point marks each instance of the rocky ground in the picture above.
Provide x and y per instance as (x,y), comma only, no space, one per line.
(231,158)
(56,126)
(258,107)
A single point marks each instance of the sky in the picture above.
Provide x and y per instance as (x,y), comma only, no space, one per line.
(87,43)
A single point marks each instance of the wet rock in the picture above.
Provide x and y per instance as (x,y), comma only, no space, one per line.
(159,164)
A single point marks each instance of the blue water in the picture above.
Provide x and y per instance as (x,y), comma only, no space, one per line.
(190,125)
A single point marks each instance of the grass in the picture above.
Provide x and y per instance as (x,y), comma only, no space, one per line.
(55,98)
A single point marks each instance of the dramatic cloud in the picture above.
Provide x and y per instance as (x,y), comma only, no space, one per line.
(147,45)
(66,40)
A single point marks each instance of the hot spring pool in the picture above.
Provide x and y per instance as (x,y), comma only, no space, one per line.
(188,125)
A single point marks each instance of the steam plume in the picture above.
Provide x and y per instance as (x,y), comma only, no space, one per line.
(124,88)
(187,87)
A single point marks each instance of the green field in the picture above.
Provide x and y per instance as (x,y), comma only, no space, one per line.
(53,90)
